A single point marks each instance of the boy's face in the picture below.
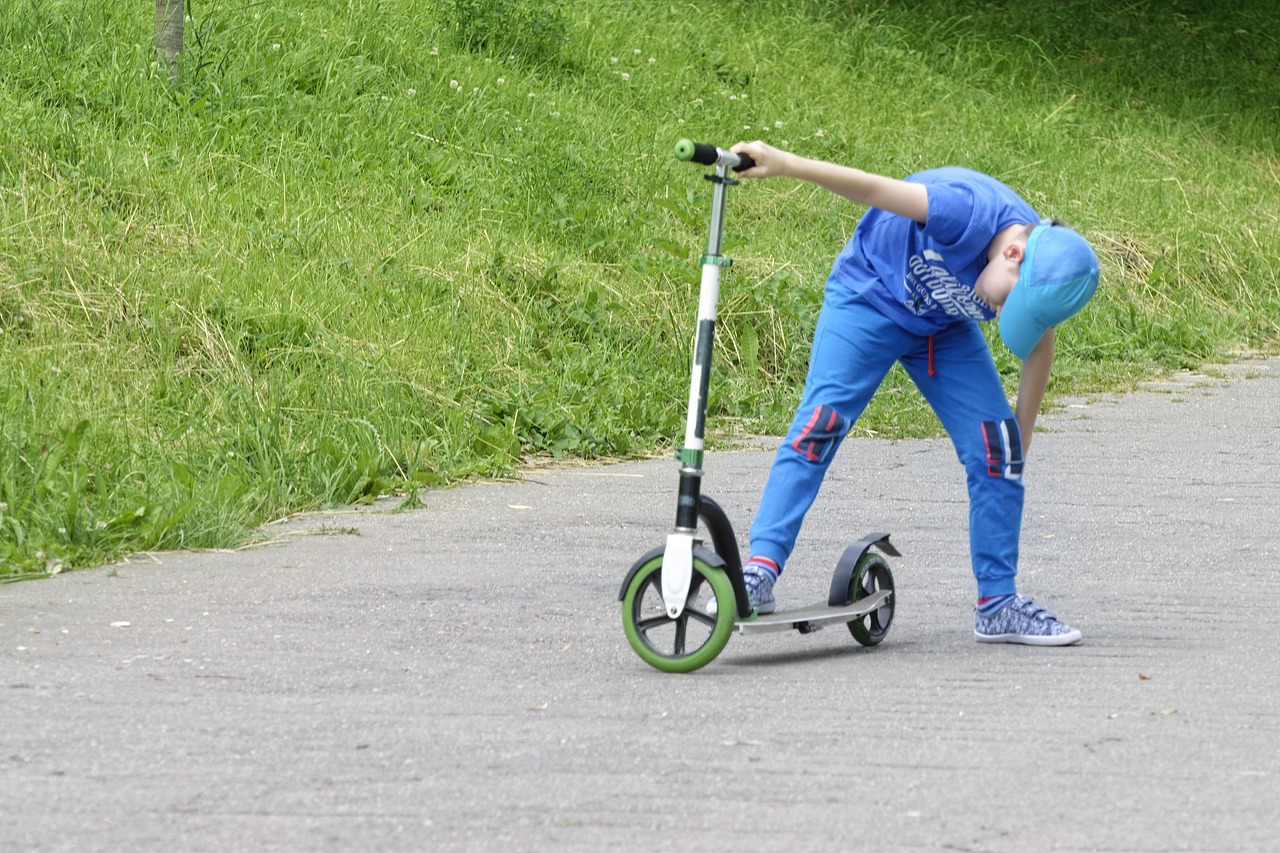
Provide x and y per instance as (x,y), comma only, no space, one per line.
(1004,264)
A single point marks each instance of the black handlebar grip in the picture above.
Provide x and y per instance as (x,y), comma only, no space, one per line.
(707,155)
(696,152)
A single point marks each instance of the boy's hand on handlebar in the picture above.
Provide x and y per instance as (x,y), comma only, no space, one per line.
(770,161)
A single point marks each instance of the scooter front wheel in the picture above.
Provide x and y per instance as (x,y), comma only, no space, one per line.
(691,640)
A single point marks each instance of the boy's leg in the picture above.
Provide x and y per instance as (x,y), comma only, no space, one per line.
(853,348)
(969,399)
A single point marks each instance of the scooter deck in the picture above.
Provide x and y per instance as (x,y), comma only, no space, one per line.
(806,620)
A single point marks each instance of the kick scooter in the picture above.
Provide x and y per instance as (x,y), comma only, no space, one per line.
(681,601)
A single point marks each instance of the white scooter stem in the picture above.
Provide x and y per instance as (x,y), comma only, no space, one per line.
(677,561)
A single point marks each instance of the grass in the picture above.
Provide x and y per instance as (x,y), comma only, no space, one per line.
(367,247)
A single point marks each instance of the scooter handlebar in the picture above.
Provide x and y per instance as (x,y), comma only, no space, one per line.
(709,155)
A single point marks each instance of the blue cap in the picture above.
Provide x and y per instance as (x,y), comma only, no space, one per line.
(1059,275)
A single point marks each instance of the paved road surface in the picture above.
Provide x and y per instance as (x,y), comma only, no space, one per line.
(456,678)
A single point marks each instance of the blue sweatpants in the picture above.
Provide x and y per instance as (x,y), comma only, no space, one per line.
(853,348)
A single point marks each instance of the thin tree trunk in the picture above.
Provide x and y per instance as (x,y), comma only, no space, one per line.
(169,36)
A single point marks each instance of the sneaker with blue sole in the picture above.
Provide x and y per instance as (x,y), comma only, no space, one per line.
(1023,621)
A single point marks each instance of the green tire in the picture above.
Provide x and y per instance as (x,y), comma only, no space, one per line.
(871,576)
(693,639)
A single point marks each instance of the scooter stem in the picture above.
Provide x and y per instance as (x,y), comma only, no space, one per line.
(678,558)
(700,374)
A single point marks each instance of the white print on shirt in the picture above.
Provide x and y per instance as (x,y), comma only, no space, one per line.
(932,287)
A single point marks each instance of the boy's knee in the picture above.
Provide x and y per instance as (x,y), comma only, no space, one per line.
(820,435)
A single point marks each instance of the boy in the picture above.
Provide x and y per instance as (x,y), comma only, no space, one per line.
(933,255)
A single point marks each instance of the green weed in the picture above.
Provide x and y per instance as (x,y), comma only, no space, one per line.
(364,248)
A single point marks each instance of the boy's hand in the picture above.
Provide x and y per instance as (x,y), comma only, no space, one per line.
(770,161)
(1032,383)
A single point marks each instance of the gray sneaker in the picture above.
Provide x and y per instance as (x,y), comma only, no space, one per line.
(760,588)
(1023,621)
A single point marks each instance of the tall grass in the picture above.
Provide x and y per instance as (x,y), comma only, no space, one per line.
(366,246)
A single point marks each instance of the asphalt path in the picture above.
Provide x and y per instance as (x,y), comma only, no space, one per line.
(457,678)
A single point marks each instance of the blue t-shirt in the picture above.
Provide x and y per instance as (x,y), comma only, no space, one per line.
(922,276)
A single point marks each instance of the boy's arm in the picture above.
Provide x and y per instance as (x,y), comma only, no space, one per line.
(1031,387)
(889,194)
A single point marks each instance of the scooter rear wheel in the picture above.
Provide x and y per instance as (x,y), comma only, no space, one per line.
(871,576)
(691,640)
